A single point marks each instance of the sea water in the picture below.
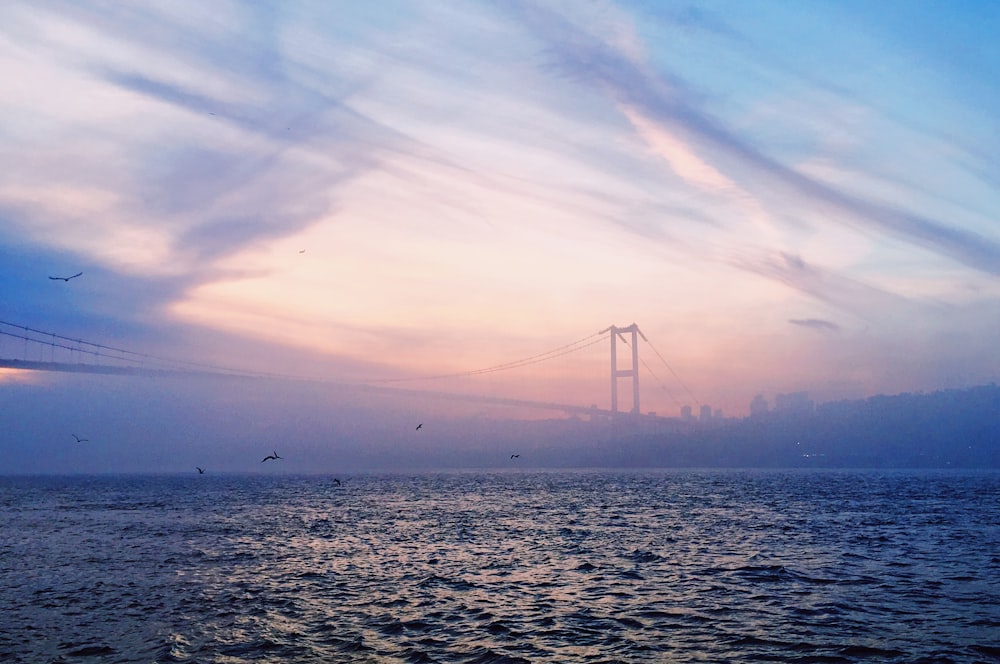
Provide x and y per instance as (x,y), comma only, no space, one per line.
(589,566)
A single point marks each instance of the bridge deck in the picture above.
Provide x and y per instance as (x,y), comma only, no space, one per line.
(104,369)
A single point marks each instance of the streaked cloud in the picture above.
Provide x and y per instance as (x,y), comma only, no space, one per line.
(815,324)
(849,295)
(657,99)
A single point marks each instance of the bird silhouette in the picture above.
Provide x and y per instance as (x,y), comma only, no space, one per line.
(201,471)
(66,278)
(514,456)
(418,426)
(302,251)
(270,456)
(336,481)
(80,440)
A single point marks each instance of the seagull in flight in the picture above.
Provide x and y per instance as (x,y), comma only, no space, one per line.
(66,278)
(201,471)
(80,440)
(515,456)
(270,456)
(418,426)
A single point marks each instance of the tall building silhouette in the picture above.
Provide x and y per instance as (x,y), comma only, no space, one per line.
(758,406)
(796,402)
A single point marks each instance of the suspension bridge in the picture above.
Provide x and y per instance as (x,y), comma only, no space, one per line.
(30,349)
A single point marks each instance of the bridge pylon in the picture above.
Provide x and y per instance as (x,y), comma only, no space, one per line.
(633,372)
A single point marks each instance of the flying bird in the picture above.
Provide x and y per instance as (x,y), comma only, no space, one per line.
(80,440)
(515,456)
(270,456)
(201,471)
(66,278)
(302,251)
(418,426)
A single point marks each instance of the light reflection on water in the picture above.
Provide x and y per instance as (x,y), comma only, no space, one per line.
(505,567)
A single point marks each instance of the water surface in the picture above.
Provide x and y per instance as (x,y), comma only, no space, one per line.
(666,566)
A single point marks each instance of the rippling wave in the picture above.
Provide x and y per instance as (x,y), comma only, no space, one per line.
(505,567)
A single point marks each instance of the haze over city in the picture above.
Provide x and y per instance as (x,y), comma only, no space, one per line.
(785,197)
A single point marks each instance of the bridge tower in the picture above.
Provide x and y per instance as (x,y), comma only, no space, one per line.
(632,373)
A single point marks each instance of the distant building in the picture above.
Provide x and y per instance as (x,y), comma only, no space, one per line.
(796,402)
(705,414)
(686,413)
(717,415)
(758,406)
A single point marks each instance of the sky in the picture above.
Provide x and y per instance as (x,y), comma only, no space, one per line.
(784,196)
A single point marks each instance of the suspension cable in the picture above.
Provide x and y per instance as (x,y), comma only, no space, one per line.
(565,349)
(686,388)
(97,350)
(652,373)
(135,356)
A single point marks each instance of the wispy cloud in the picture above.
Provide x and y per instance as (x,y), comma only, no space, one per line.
(659,99)
(845,293)
(815,324)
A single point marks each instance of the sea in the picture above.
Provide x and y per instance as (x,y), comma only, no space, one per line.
(503,567)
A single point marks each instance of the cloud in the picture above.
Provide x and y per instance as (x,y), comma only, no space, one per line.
(683,160)
(171,93)
(660,97)
(699,18)
(849,295)
(815,324)
(225,236)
